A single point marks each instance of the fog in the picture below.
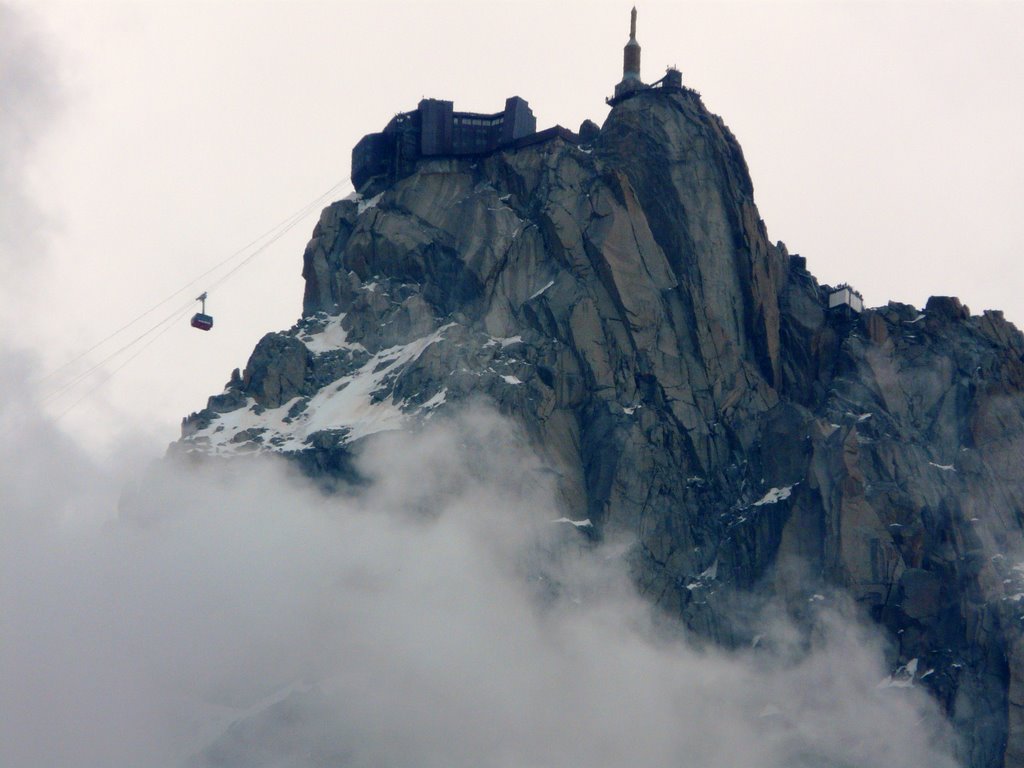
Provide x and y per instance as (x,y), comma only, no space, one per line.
(165,612)
(230,614)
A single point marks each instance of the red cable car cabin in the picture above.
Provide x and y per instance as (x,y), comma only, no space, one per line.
(200,319)
(202,322)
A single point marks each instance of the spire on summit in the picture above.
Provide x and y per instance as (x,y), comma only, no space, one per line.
(631,53)
(630,64)
(631,84)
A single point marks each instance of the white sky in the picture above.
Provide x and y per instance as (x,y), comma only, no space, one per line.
(882,138)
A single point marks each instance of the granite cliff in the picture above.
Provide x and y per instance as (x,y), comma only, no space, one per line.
(686,382)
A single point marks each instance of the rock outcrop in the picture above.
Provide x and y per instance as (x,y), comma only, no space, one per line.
(684,378)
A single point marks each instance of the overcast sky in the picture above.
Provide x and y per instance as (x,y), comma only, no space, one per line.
(144,142)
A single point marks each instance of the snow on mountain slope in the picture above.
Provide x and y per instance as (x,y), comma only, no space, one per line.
(359,403)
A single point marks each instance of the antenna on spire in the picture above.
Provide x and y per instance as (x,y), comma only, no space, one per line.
(632,24)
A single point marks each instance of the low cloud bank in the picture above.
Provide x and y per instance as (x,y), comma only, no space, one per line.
(231,615)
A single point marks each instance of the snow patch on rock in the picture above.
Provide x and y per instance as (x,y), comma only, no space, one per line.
(903,677)
(352,403)
(774,496)
(331,337)
(577,523)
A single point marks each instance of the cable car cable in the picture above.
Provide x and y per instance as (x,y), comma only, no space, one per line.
(85,374)
(174,314)
(277,232)
(254,254)
(289,222)
(110,375)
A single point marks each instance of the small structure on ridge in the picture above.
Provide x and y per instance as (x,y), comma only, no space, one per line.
(845,299)
(434,129)
(630,62)
(631,83)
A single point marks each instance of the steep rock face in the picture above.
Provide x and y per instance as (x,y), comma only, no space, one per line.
(684,379)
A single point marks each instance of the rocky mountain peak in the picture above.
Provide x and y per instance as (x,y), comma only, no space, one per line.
(687,382)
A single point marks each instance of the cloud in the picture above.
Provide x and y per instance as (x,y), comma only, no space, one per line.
(230,614)
(30,93)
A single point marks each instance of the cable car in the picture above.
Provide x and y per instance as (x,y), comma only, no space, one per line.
(201,320)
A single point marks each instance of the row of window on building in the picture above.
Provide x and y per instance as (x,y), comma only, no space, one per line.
(489,122)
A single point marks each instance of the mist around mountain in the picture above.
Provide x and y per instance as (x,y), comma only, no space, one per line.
(438,615)
(565,464)
(754,453)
